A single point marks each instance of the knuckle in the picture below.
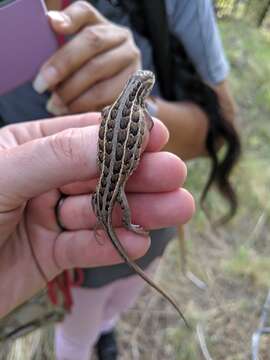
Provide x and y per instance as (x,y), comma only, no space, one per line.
(62,64)
(136,52)
(127,32)
(84,6)
(93,37)
(124,34)
(8,129)
(12,133)
(65,145)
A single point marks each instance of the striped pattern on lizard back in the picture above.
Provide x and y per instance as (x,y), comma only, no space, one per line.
(119,147)
(124,129)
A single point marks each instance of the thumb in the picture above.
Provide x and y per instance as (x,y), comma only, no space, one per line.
(47,163)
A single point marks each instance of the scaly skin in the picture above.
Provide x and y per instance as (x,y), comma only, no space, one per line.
(124,129)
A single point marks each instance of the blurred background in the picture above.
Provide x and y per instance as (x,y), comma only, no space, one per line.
(232,262)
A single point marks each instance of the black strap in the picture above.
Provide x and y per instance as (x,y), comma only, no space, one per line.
(149,18)
(157,28)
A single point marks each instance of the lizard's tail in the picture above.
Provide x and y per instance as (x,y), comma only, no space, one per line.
(120,249)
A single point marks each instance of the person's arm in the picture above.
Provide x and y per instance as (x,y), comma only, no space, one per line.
(226,101)
(193,23)
(188,124)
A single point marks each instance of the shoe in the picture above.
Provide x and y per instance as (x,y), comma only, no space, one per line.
(107,346)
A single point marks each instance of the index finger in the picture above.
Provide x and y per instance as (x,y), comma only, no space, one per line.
(75,17)
(29,131)
(50,162)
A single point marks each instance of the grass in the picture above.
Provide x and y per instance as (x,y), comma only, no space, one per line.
(232,261)
(248,264)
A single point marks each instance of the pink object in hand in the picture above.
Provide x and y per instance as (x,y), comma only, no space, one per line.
(26,41)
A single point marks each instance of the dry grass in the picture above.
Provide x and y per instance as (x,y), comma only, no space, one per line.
(233,261)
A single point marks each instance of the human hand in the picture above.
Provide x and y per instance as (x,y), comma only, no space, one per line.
(90,70)
(41,159)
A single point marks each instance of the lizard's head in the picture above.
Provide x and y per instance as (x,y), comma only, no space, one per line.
(142,82)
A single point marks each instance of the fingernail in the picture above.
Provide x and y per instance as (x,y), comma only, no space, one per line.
(45,78)
(55,106)
(57,16)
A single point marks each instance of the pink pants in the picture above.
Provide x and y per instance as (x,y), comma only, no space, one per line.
(95,311)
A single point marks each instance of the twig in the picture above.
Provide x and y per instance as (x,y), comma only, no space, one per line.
(196,281)
(257,228)
(262,328)
(202,342)
(183,261)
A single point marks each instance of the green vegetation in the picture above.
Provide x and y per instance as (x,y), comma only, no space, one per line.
(247,263)
(235,260)
(249,54)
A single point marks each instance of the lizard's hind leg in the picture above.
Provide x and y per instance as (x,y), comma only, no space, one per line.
(98,235)
(97,227)
(126,215)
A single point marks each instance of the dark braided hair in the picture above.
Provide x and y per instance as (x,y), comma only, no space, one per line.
(195,90)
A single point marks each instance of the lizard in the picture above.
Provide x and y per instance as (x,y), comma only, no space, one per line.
(125,126)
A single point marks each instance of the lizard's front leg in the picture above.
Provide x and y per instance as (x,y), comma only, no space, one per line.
(126,214)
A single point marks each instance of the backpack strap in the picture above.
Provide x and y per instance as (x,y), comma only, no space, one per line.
(157,30)
(149,18)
